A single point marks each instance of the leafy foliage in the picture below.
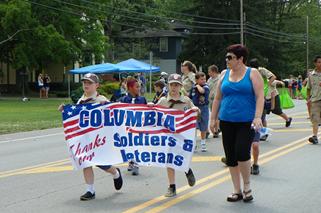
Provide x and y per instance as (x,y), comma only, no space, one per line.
(278,37)
(51,31)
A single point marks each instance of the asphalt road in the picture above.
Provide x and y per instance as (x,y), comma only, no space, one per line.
(36,176)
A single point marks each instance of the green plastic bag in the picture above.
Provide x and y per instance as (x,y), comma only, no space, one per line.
(266,86)
(285,99)
(304,92)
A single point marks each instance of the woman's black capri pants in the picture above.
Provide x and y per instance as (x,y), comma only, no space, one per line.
(237,141)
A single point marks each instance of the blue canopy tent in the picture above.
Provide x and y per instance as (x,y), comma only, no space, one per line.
(96,68)
(140,67)
(130,65)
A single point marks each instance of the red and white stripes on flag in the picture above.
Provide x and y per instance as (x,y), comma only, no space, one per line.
(184,120)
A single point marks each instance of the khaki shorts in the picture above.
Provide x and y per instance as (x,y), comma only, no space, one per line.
(316,112)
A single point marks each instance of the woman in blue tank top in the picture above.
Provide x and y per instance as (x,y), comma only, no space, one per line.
(238,105)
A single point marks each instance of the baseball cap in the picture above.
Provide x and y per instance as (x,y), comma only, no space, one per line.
(175,78)
(91,77)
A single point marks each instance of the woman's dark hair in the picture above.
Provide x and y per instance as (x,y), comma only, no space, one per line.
(239,50)
(254,63)
(121,81)
(213,68)
(316,58)
(159,84)
(191,67)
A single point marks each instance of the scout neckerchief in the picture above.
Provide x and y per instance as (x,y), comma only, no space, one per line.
(173,102)
(88,99)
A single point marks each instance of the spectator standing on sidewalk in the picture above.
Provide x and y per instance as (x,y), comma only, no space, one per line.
(46,84)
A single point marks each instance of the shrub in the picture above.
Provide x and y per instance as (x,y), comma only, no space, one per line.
(62,94)
(106,89)
(76,94)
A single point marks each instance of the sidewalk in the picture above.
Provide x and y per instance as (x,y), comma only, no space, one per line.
(6,138)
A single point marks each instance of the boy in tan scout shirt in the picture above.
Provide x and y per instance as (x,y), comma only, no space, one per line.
(177,101)
(90,83)
(314,98)
(188,79)
(272,92)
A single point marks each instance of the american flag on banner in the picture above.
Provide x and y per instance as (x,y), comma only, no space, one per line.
(70,117)
(184,120)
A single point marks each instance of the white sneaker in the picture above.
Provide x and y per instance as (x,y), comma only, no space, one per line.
(203,147)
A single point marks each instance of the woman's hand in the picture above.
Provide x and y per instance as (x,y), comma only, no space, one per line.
(257,124)
(213,126)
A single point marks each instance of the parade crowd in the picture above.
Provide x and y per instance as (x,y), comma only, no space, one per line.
(232,104)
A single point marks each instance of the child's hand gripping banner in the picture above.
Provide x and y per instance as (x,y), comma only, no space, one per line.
(116,133)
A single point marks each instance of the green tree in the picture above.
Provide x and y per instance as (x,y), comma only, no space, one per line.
(269,29)
(49,32)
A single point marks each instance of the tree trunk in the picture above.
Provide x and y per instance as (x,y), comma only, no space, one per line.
(8,77)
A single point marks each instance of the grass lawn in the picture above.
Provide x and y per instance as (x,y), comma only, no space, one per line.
(19,116)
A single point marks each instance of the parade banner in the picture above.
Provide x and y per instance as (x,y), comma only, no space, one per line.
(115,133)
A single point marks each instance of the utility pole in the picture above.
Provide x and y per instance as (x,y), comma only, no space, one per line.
(307,43)
(242,22)
(244,35)
(150,71)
